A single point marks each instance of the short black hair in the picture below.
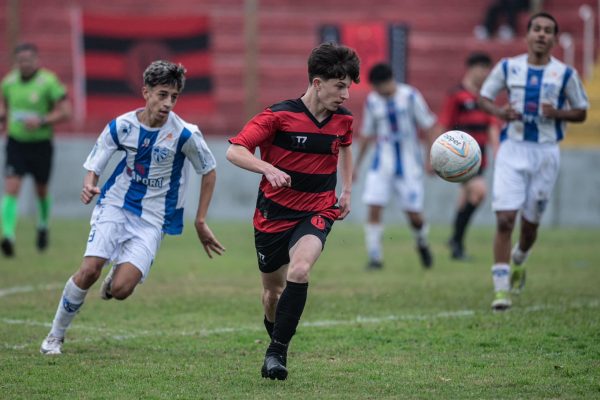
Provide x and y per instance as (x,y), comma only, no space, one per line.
(26,47)
(333,61)
(478,58)
(542,14)
(163,72)
(379,73)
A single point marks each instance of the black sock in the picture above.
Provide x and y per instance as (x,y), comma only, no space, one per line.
(287,316)
(463,216)
(269,326)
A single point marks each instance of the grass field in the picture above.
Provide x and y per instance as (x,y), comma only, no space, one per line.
(194,329)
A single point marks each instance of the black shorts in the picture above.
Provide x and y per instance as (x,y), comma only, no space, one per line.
(273,249)
(33,158)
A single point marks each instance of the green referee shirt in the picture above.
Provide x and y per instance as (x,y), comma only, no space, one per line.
(33,97)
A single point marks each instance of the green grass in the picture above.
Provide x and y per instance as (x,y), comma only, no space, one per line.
(194,329)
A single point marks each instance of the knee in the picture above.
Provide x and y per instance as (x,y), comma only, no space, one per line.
(88,273)
(121,292)
(506,223)
(299,272)
(271,296)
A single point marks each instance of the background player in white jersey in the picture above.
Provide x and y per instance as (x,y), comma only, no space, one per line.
(392,115)
(543,93)
(143,198)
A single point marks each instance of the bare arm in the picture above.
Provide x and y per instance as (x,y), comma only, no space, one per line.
(207,238)
(430,135)
(345,167)
(61,112)
(494,138)
(90,188)
(506,113)
(241,156)
(574,115)
(364,144)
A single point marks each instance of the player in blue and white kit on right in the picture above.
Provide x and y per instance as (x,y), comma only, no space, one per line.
(543,93)
(143,198)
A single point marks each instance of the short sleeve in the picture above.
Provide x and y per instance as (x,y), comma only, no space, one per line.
(575,93)
(346,139)
(259,130)
(104,148)
(56,89)
(196,150)
(423,116)
(495,81)
(369,122)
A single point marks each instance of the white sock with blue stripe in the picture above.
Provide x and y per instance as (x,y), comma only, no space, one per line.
(70,302)
(373,237)
(501,277)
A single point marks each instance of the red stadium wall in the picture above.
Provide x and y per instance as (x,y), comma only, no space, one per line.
(440,38)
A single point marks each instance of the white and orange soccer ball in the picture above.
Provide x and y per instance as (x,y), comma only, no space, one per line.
(455,156)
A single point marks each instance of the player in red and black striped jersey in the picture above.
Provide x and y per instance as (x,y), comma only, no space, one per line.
(300,142)
(461,112)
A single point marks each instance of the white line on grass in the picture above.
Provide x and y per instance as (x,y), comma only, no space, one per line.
(29,288)
(359,320)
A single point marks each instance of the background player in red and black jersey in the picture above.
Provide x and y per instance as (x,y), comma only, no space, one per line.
(461,112)
(300,141)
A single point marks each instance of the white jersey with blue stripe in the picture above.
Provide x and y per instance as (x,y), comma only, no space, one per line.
(394,121)
(528,87)
(150,179)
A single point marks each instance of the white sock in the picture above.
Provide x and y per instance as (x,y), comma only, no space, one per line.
(420,234)
(70,302)
(519,256)
(373,236)
(501,277)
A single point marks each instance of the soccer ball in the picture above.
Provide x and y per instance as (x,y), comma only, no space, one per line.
(455,156)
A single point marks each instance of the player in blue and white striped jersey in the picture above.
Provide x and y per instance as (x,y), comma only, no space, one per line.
(393,114)
(143,198)
(543,94)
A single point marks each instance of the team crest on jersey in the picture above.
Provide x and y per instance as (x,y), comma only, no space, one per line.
(146,142)
(534,81)
(125,128)
(159,154)
(335,146)
(34,97)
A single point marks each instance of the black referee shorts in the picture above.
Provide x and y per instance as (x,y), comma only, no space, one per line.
(273,249)
(33,158)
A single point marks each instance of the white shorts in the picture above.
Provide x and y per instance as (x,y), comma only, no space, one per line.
(524,177)
(380,185)
(121,236)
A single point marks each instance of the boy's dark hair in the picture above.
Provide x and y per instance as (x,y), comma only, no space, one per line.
(380,73)
(26,47)
(478,58)
(163,72)
(543,14)
(333,61)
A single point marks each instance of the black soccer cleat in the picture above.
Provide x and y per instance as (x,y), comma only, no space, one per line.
(8,247)
(274,367)
(426,256)
(374,265)
(457,251)
(42,239)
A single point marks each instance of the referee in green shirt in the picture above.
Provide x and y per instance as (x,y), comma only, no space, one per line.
(33,100)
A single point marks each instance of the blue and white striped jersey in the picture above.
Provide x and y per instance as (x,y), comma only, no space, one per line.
(528,87)
(394,121)
(150,179)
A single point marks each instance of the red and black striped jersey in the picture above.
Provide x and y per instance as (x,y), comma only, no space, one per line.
(461,112)
(291,139)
